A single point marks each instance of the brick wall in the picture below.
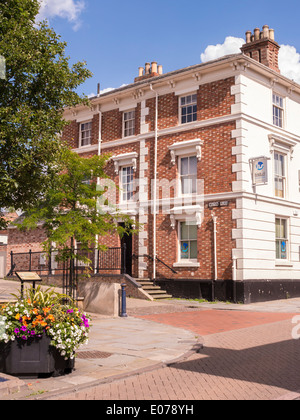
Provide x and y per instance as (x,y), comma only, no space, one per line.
(111,125)
(215,168)
(23,241)
(71,134)
(213,100)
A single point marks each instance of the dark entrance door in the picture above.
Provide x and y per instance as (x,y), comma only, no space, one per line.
(126,242)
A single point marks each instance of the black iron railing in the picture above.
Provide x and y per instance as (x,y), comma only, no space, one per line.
(111,259)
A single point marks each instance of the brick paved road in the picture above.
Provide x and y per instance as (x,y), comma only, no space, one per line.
(254,358)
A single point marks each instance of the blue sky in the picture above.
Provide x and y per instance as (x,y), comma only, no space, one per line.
(116,37)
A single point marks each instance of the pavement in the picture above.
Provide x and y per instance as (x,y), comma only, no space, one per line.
(178,350)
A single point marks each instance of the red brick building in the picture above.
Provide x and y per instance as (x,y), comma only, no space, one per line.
(190,136)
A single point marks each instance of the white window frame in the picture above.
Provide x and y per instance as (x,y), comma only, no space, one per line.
(122,191)
(279,176)
(180,240)
(80,133)
(126,131)
(280,107)
(180,186)
(285,147)
(186,105)
(287,239)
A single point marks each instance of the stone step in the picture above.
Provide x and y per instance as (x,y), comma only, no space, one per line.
(145,283)
(155,291)
(161,297)
(151,287)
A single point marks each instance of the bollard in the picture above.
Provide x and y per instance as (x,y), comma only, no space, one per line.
(123,308)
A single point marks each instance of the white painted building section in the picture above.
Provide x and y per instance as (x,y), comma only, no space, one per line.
(259,206)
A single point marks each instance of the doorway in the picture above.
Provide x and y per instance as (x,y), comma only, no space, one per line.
(126,258)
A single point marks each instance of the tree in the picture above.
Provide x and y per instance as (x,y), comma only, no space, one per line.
(39,83)
(70,211)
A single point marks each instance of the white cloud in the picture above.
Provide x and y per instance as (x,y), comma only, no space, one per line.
(289,59)
(289,62)
(106,90)
(231,45)
(66,9)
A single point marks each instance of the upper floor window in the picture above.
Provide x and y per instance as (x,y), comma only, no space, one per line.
(129,123)
(280,174)
(277,110)
(188,175)
(188,109)
(85,134)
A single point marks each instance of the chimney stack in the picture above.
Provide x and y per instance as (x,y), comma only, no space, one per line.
(261,46)
(150,70)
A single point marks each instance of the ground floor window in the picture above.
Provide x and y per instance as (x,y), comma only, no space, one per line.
(127,183)
(188,240)
(281,239)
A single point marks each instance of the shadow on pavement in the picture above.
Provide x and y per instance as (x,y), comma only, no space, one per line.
(275,364)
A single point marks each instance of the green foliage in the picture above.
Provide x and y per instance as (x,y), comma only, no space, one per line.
(69,211)
(42,297)
(39,84)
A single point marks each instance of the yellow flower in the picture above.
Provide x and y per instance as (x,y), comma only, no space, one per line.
(18,316)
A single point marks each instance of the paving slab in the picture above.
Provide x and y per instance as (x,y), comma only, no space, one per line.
(163,339)
(125,346)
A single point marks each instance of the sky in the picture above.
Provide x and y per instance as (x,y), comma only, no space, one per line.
(115,37)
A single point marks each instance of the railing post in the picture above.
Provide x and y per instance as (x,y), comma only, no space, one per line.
(30,252)
(50,262)
(98,261)
(123,269)
(123,305)
(12,262)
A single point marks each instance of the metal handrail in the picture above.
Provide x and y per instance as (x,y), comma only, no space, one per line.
(158,259)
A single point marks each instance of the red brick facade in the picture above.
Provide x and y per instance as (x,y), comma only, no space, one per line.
(214,100)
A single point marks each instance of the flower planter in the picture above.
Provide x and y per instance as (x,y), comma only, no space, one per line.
(33,358)
(39,334)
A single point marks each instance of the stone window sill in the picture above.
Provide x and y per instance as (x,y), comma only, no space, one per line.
(186,264)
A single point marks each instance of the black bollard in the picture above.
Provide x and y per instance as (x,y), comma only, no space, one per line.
(123,309)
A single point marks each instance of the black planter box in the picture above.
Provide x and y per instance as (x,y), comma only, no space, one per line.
(33,358)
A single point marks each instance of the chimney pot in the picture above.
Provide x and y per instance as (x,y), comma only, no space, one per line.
(266,31)
(271,34)
(248,37)
(256,34)
(147,68)
(141,71)
(154,67)
(160,69)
